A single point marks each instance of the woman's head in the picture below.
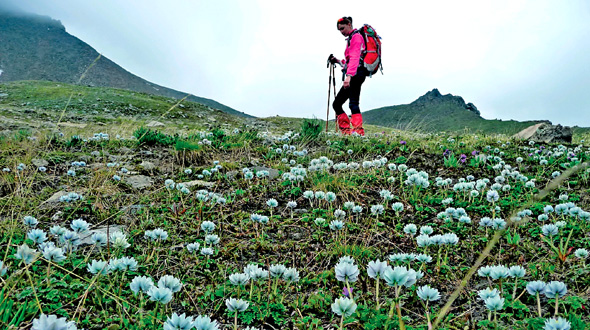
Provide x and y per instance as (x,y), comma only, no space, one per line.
(344,25)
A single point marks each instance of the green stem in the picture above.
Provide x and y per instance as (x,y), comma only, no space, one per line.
(33,287)
(428,317)
(539,304)
(48,274)
(349,290)
(377,293)
(515,286)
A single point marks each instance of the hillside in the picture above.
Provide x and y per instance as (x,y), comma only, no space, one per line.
(36,105)
(34,47)
(42,104)
(436,112)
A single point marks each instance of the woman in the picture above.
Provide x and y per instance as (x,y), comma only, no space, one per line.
(354,76)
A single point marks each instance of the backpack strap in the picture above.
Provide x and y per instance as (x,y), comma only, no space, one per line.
(350,37)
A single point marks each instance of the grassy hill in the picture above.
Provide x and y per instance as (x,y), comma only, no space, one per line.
(434,112)
(26,105)
(34,47)
(41,104)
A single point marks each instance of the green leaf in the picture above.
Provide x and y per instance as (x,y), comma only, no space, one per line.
(536,323)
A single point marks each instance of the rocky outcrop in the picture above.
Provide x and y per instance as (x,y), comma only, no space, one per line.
(546,133)
(435,97)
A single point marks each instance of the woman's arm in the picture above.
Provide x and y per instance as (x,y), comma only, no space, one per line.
(354,52)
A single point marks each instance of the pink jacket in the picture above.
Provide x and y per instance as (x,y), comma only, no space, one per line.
(352,54)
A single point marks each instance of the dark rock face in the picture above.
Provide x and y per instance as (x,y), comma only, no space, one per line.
(471,107)
(553,134)
(435,97)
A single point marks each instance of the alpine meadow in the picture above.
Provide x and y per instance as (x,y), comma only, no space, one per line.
(126,206)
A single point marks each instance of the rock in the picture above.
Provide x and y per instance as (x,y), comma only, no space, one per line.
(199,184)
(75,125)
(272,173)
(57,216)
(39,162)
(3,95)
(132,209)
(211,119)
(86,238)
(139,181)
(96,166)
(154,123)
(471,107)
(125,150)
(528,132)
(54,199)
(231,174)
(148,166)
(546,133)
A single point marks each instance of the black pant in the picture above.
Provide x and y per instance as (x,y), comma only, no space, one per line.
(352,94)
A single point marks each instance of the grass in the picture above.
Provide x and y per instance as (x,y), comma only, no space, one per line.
(68,290)
(209,163)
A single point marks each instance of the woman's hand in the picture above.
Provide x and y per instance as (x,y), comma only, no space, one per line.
(346,83)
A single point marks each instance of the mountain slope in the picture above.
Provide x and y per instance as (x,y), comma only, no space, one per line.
(34,47)
(436,112)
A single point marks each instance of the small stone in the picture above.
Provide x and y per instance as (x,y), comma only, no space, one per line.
(199,184)
(231,174)
(154,123)
(39,162)
(272,173)
(148,166)
(54,199)
(56,216)
(139,181)
(86,238)
(75,125)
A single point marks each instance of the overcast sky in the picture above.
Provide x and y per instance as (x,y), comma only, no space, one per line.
(514,59)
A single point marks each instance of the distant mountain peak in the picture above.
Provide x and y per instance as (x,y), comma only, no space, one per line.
(36,47)
(434,97)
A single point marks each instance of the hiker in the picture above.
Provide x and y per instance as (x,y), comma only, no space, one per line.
(354,75)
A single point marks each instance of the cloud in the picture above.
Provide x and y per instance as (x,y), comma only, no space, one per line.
(519,59)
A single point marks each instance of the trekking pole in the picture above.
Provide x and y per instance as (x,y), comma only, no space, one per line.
(329,91)
(334,85)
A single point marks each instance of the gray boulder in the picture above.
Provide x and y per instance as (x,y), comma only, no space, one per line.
(547,133)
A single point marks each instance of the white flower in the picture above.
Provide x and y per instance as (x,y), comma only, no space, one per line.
(344,306)
(237,305)
(427,293)
(376,268)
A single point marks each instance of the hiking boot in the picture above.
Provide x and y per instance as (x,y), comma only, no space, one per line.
(357,124)
(343,123)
